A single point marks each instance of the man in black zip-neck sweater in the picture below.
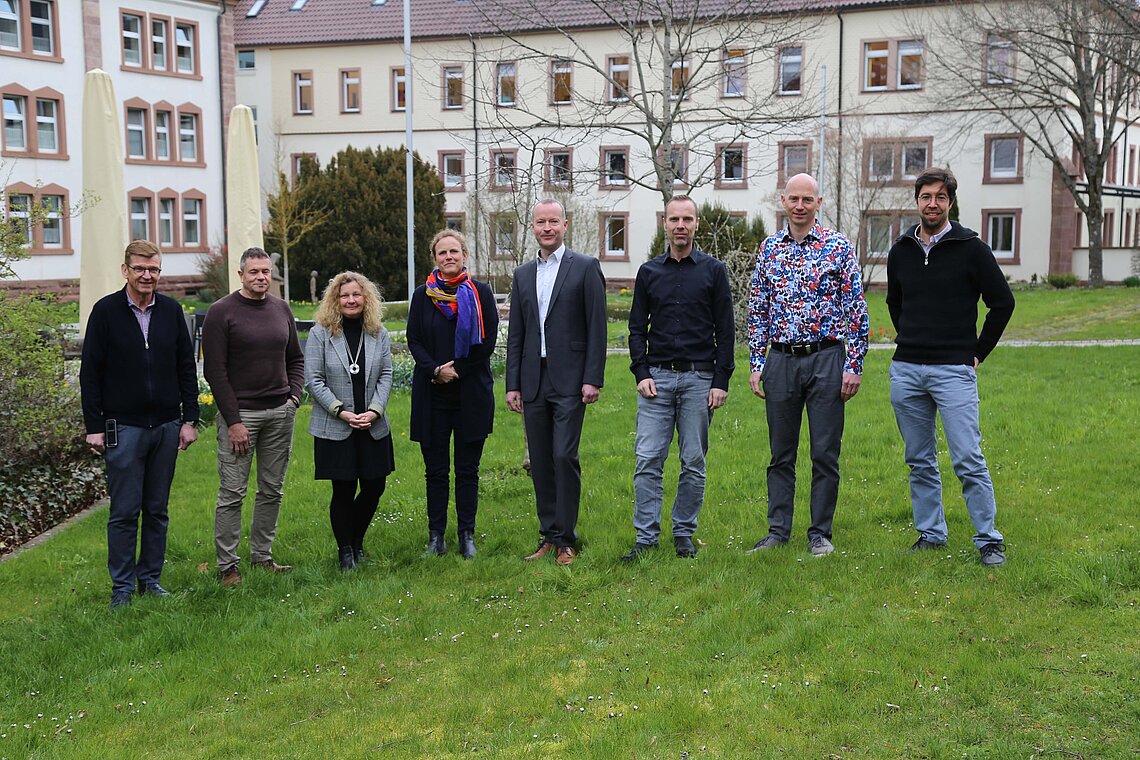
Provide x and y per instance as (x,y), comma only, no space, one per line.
(138,370)
(936,273)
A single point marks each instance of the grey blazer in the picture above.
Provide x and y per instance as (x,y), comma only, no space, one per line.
(328,381)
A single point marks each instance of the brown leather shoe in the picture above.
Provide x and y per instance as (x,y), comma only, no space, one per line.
(268,564)
(544,548)
(231,577)
(566,555)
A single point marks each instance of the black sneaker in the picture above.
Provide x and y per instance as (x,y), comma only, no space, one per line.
(120,599)
(684,546)
(637,552)
(153,589)
(922,545)
(993,555)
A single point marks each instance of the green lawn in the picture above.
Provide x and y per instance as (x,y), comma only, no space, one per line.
(871,652)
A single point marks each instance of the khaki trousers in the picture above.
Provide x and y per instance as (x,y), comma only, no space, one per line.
(271,438)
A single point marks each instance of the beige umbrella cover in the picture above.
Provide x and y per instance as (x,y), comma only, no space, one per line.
(105,222)
(243,190)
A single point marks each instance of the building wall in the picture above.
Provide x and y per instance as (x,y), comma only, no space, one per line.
(136,86)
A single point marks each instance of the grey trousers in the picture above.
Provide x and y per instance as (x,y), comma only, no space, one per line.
(271,438)
(792,383)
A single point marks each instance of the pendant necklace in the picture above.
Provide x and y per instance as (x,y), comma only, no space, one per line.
(354,365)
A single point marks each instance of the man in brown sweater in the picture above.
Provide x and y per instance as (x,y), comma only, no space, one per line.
(255,367)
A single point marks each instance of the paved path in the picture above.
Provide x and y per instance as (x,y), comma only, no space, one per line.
(614,350)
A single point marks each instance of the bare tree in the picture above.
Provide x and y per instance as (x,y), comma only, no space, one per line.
(675,86)
(290,216)
(1064,73)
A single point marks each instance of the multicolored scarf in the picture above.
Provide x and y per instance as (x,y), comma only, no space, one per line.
(458,299)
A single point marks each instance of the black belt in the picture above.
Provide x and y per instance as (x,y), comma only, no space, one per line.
(678,366)
(804,349)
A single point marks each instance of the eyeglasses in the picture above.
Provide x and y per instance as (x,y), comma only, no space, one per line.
(927,198)
(154,271)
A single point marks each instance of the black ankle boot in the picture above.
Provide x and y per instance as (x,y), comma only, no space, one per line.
(358,554)
(435,544)
(467,544)
(347,559)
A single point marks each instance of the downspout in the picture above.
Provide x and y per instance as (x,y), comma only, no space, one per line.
(474,236)
(839,118)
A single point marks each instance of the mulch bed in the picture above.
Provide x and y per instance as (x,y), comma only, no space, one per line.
(34,499)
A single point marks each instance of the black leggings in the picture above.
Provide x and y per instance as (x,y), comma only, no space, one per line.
(350,512)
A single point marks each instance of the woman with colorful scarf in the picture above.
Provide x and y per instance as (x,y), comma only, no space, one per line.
(452,326)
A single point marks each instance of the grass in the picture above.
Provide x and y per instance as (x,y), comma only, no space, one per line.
(869,653)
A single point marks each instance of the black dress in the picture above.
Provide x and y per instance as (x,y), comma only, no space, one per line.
(360,456)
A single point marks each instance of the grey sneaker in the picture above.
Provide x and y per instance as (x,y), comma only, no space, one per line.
(992,555)
(819,546)
(768,542)
(922,545)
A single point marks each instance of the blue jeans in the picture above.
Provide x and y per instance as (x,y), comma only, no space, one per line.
(918,391)
(682,403)
(139,472)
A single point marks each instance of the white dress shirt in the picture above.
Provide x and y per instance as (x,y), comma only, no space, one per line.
(547,273)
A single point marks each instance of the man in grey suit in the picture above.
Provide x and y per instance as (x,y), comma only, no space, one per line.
(556,363)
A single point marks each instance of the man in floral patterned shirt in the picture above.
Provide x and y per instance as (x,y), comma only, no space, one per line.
(807,334)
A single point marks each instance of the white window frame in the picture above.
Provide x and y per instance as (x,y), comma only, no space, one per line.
(506,71)
(787,58)
(159,44)
(20,207)
(997,42)
(680,65)
(132,40)
(734,74)
(302,81)
(140,219)
(51,122)
(609,177)
(564,67)
(191,32)
(348,78)
(18,116)
(503,174)
(909,49)
(722,167)
(191,220)
(560,175)
(52,219)
(1003,173)
(162,135)
(881,148)
(618,65)
(870,55)
(190,132)
(136,131)
(399,83)
(608,232)
(45,24)
(166,221)
(903,169)
(992,220)
(10,20)
(450,74)
(252,59)
(453,179)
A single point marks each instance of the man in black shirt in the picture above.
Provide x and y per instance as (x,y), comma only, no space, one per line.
(681,333)
(140,406)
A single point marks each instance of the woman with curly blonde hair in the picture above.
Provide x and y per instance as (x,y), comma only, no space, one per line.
(348,371)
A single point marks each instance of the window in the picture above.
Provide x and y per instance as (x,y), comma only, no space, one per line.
(453,87)
(350,91)
(615,167)
(298,5)
(184,46)
(679,164)
(188,137)
(679,89)
(302,92)
(734,73)
(399,89)
(505,84)
(561,81)
(455,221)
(1003,158)
(162,135)
(15,135)
(298,162)
(132,40)
(166,222)
(893,64)
(42,37)
(9,26)
(20,215)
(136,133)
(618,89)
(1002,229)
(881,229)
(895,162)
(451,170)
(795,158)
(29,28)
(158,52)
(1132,165)
(1109,228)
(791,68)
(246,60)
(876,58)
(47,127)
(614,242)
(503,169)
(50,233)
(503,232)
(730,165)
(191,222)
(559,168)
(140,218)
(910,64)
(255,8)
(999,59)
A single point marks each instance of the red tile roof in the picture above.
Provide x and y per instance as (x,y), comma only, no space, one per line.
(332,21)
